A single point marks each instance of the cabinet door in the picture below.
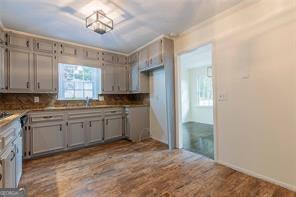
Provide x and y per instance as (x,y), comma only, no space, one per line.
(45,46)
(96,128)
(121,78)
(155,53)
(134,78)
(2,69)
(143,58)
(121,59)
(113,127)
(108,79)
(91,54)
(19,41)
(68,50)
(76,134)
(46,138)
(108,58)
(44,72)
(9,169)
(19,70)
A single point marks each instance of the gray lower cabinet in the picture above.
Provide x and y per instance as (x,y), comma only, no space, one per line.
(137,123)
(95,131)
(113,127)
(9,168)
(47,137)
(76,134)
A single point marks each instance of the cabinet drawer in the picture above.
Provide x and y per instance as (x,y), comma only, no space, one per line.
(84,114)
(113,111)
(46,117)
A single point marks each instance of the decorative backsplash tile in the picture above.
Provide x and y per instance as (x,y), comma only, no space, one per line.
(26,101)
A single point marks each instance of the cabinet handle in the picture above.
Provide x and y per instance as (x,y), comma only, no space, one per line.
(28,43)
(37,45)
(13,155)
(89,123)
(106,121)
(38,84)
(118,87)
(82,125)
(28,84)
(112,88)
(60,127)
(47,117)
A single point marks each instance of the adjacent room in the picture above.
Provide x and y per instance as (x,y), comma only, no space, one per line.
(148,98)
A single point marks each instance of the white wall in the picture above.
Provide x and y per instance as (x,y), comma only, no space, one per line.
(158,122)
(255,47)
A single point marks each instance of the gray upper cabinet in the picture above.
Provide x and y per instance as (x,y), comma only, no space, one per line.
(45,46)
(151,57)
(112,58)
(121,78)
(114,79)
(121,59)
(155,53)
(44,72)
(91,54)
(2,69)
(143,58)
(108,78)
(68,50)
(107,58)
(19,70)
(138,82)
(19,41)
(47,137)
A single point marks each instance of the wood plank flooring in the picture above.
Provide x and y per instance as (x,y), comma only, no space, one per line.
(143,169)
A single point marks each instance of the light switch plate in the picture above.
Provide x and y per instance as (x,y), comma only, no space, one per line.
(36,99)
(101,98)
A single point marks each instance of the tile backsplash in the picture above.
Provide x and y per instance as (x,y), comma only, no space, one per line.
(26,101)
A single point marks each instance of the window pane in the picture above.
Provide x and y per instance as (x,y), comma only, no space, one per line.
(78,82)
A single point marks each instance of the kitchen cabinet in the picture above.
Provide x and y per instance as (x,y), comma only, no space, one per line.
(137,123)
(113,127)
(18,41)
(2,69)
(8,168)
(76,134)
(138,82)
(114,79)
(91,54)
(112,58)
(108,79)
(151,57)
(143,58)
(19,63)
(45,46)
(68,50)
(96,130)
(45,72)
(47,137)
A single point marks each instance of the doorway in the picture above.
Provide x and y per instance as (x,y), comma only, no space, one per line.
(196,101)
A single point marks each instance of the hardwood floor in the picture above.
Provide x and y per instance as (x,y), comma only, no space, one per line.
(143,169)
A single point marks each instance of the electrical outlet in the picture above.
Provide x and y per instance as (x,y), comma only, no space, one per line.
(36,99)
(101,98)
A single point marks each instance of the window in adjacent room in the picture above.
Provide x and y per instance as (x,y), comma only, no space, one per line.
(77,82)
(204,91)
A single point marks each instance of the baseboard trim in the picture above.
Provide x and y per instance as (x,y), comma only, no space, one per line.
(259,176)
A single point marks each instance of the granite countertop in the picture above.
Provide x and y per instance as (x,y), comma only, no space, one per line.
(15,115)
(19,113)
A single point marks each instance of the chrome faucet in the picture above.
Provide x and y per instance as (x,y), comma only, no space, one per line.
(87,101)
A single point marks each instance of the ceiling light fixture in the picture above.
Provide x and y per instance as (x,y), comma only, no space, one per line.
(99,22)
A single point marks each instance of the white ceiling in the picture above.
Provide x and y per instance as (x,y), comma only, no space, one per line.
(136,21)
